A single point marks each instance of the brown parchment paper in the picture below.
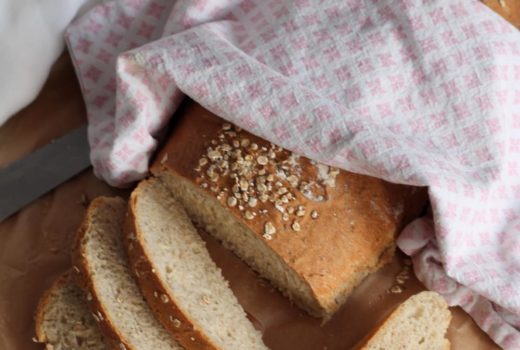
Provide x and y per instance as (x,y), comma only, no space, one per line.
(35,246)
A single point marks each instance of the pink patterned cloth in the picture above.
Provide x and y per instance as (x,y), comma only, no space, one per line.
(424,93)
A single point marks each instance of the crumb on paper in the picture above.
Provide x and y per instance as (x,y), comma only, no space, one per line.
(164,158)
(396,289)
(83,200)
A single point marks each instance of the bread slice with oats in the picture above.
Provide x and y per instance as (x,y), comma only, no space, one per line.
(104,274)
(179,279)
(313,231)
(63,320)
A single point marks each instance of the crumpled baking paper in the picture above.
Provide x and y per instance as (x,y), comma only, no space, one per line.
(424,93)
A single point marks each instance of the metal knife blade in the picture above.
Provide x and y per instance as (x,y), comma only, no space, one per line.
(39,172)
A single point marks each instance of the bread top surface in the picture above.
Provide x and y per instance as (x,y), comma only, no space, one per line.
(355,224)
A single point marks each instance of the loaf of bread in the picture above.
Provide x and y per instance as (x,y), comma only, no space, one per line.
(103,272)
(315,232)
(420,323)
(179,279)
(63,320)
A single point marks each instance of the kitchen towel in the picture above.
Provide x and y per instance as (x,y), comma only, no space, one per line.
(419,92)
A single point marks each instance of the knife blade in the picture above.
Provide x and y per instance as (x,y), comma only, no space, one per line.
(39,172)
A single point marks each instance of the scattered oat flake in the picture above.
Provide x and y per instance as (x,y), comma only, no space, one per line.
(232,201)
(396,289)
(164,158)
(262,160)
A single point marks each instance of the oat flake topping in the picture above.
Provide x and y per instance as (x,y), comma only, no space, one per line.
(253,178)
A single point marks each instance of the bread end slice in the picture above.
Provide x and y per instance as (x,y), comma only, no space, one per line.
(63,320)
(420,323)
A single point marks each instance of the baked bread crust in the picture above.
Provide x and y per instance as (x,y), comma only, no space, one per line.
(353,236)
(172,318)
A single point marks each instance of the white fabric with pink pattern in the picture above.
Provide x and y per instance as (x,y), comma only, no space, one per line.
(424,93)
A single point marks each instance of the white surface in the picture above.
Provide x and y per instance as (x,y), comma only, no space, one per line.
(31,38)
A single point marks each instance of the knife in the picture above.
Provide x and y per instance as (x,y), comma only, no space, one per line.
(39,172)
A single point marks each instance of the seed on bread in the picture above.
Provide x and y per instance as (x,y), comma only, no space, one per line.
(232,201)
(269,228)
(176,322)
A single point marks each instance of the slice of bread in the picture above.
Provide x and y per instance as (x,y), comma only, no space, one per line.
(63,320)
(313,231)
(104,274)
(420,323)
(179,279)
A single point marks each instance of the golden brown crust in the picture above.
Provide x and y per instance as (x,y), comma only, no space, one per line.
(509,9)
(63,279)
(356,225)
(152,287)
(83,279)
